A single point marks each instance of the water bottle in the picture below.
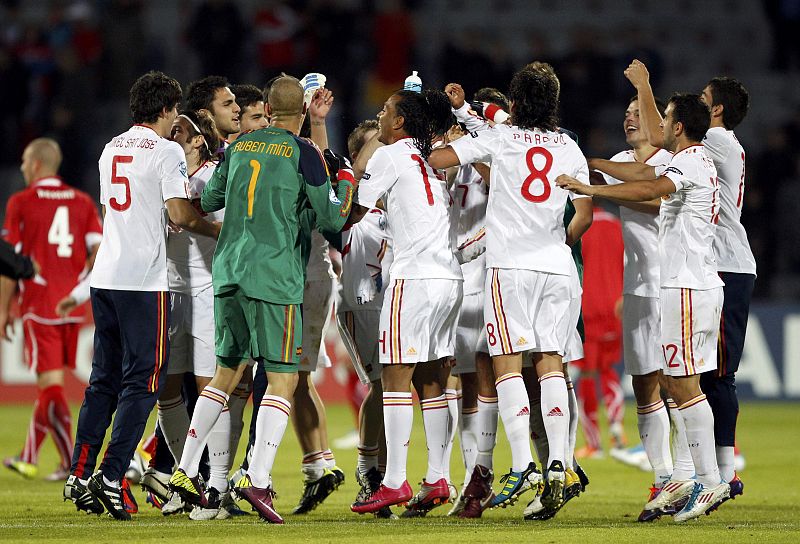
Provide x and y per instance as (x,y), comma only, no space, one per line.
(413,83)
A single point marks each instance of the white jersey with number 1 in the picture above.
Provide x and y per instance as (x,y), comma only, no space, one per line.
(525,213)
(139,172)
(419,209)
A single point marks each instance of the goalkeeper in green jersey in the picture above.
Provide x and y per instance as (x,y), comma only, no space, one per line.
(269,177)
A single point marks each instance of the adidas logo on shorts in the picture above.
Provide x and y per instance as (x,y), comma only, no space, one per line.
(521,341)
(411,351)
(524,412)
(555,412)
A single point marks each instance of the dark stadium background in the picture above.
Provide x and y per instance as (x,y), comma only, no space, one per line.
(66,67)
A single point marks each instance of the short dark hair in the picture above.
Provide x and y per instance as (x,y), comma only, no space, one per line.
(690,110)
(660,104)
(425,116)
(151,94)
(493,96)
(200,93)
(247,95)
(356,140)
(733,97)
(535,97)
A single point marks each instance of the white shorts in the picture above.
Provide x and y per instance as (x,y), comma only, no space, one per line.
(418,320)
(526,310)
(641,335)
(470,334)
(574,348)
(191,334)
(359,332)
(689,330)
(317,307)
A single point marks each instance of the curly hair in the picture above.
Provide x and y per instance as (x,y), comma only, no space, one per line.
(200,93)
(534,94)
(208,130)
(426,115)
(151,94)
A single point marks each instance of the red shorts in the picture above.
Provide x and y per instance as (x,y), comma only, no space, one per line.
(50,347)
(599,355)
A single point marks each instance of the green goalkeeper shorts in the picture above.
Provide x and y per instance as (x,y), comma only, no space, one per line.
(251,328)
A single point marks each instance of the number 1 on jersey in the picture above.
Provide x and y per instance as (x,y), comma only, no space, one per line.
(251,188)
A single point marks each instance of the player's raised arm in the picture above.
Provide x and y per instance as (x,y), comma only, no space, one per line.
(649,117)
(331,206)
(317,111)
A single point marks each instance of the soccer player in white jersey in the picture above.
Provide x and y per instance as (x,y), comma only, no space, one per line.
(192,326)
(478,406)
(366,258)
(691,291)
(420,309)
(729,100)
(529,268)
(143,184)
(641,316)
(213,96)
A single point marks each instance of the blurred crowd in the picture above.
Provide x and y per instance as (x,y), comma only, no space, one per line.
(66,67)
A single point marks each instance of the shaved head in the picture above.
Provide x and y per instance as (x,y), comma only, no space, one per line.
(41,158)
(285,97)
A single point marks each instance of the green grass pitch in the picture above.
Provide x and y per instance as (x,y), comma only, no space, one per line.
(769,511)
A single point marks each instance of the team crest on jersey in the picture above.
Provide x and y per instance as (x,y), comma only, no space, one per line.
(298,351)
(673,170)
(333,198)
(365,176)
(382,222)
(182,168)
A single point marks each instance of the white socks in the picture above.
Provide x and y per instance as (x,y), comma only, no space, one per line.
(555,412)
(453,398)
(174,422)
(398,417)
(574,417)
(436,418)
(486,430)
(219,453)
(367,458)
(273,416)
(653,423)
(726,456)
(469,441)
(313,465)
(513,405)
(683,466)
(208,408)
(699,422)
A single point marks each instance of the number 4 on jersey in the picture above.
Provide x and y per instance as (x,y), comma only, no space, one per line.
(59,234)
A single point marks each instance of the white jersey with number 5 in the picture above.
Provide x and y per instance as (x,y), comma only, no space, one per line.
(525,213)
(730,245)
(139,172)
(418,206)
(687,221)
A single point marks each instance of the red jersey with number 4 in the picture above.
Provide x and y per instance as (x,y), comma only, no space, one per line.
(525,213)
(55,225)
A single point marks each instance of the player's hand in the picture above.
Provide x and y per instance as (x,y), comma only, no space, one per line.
(456,94)
(571,184)
(65,306)
(320,104)
(336,161)
(6,326)
(637,74)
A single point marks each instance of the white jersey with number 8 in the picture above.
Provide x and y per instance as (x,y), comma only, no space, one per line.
(525,214)
(418,206)
(139,172)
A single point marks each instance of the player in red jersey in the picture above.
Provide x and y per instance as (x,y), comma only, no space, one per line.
(603,255)
(58,226)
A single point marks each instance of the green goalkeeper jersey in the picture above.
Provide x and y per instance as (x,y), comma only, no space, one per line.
(267,180)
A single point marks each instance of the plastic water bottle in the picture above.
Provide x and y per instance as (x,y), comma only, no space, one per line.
(413,83)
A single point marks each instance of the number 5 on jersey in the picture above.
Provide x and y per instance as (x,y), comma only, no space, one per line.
(118,179)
